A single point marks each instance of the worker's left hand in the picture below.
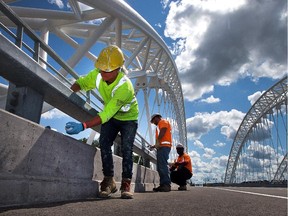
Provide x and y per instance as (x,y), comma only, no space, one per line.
(73,128)
(151,147)
(157,144)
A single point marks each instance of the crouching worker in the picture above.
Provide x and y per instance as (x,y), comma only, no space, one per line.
(181,169)
(120,114)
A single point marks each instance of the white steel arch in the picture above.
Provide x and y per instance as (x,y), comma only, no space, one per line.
(274,97)
(90,25)
(282,169)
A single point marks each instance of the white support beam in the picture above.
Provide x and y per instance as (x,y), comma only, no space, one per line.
(82,50)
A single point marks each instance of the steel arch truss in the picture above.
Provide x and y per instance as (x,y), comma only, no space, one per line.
(90,25)
(282,169)
(273,97)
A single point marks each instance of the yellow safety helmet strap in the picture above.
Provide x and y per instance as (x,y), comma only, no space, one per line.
(110,58)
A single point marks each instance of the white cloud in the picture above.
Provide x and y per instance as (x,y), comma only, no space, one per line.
(211,99)
(158,25)
(203,123)
(213,170)
(208,153)
(229,132)
(165,3)
(219,144)
(190,94)
(199,144)
(84,7)
(218,42)
(177,48)
(254,97)
(59,3)
(54,113)
(194,154)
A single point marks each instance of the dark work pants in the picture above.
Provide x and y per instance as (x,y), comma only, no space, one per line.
(180,176)
(162,165)
(109,131)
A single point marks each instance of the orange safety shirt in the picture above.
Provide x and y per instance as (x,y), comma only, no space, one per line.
(166,140)
(185,158)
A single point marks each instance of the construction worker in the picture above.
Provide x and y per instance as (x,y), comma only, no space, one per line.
(163,145)
(181,169)
(120,114)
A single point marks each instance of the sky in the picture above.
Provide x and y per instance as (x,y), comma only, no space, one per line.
(227,53)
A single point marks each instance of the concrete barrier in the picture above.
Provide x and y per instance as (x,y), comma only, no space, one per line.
(38,165)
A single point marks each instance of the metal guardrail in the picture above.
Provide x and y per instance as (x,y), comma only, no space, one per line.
(23,29)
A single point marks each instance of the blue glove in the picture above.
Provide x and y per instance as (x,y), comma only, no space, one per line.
(73,128)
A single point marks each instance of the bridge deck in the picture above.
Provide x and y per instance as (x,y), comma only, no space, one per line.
(195,201)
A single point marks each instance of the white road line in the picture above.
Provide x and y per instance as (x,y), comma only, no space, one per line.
(247,192)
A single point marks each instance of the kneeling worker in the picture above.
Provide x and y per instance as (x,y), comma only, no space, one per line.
(181,169)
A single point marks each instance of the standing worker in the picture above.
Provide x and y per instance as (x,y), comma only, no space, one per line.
(120,114)
(181,169)
(163,146)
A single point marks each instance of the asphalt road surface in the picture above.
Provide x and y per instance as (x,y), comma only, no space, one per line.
(202,201)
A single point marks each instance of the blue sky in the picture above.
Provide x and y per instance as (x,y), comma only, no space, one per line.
(227,53)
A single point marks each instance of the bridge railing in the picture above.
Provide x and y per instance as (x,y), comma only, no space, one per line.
(28,41)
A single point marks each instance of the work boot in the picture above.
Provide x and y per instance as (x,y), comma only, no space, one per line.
(182,187)
(156,189)
(107,187)
(163,188)
(125,189)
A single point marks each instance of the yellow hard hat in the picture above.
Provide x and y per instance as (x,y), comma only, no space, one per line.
(110,58)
